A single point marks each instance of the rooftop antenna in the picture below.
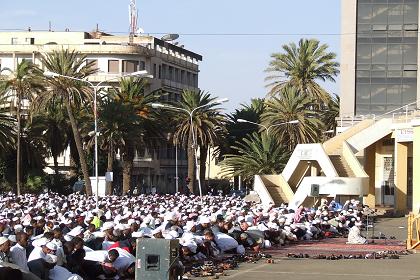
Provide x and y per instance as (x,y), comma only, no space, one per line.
(133,15)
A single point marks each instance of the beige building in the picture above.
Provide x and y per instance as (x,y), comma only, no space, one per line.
(375,158)
(379,56)
(174,68)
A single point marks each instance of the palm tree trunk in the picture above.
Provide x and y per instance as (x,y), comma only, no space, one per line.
(18,156)
(79,146)
(55,165)
(108,186)
(191,164)
(128,158)
(203,160)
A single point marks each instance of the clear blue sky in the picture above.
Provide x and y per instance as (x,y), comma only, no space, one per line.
(233,66)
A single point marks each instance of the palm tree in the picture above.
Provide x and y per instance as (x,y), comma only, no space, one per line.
(23,84)
(302,67)
(7,125)
(255,154)
(330,113)
(70,92)
(52,124)
(289,106)
(134,126)
(207,124)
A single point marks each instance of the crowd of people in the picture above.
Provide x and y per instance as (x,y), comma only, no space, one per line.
(68,237)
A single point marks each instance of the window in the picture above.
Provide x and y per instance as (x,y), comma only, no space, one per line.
(164,69)
(394,94)
(14,41)
(411,13)
(113,66)
(30,41)
(176,75)
(160,72)
(130,66)
(142,65)
(395,14)
(154,70)
(183,76)
(170,73)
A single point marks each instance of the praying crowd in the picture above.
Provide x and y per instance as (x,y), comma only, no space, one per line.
(68,237)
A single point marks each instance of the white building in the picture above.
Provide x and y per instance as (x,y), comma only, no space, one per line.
(173,68)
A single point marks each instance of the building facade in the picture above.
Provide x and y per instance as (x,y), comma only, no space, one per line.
(380,56)
(173,68)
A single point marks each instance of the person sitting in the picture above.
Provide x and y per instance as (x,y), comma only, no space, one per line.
(355,236)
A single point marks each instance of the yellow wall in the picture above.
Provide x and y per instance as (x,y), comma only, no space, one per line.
(416,169)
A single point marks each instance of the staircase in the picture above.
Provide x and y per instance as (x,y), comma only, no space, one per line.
(341,166)
(276,194)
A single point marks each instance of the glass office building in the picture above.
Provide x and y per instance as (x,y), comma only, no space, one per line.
(386,55)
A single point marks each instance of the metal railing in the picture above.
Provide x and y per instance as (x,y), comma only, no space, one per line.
(401,114)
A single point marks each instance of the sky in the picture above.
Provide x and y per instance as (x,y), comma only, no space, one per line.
(233,66)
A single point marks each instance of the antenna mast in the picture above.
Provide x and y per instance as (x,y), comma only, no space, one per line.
(133,14)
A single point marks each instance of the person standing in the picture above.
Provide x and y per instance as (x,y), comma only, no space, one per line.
(18,252)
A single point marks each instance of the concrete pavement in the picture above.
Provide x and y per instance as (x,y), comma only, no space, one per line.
(407,267)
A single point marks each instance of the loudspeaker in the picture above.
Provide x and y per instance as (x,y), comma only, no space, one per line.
(314,190)
(157,259)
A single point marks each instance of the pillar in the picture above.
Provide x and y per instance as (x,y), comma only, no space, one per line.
(369,165)
(416,168)
(400,190)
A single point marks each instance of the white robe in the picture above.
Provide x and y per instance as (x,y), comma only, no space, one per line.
(355,237)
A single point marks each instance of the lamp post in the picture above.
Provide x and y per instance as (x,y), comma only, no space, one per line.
(95,113)
(194,145)
(267,128)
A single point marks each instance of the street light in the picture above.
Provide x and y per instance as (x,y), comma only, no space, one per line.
(267,128)
(191,113)
(142,73)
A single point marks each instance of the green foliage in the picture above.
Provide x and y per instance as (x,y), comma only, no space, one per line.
(258,154)
(301,67)
(289,106)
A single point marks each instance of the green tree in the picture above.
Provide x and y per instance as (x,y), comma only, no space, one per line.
(23,84)
(71,93)
(207,125)
(330,113)
(303,66)
(52,125)
(257,154)
(133,124)
(290,105)
(7,125)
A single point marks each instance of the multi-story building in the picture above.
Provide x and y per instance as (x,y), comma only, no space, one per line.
(174,68)
(380,56)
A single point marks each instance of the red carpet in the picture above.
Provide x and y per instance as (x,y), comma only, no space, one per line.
(336,246)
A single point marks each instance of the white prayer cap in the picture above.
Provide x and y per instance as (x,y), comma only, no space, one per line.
(40,242)
(50,258)
(76,231)
(3,240)
(99,234)
(171,216)
(52,246)
(189,225)
(137,234)
(107,225)
(204,220)
(18,228)
(12,238)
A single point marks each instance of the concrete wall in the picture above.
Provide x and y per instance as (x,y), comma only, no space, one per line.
(348,57)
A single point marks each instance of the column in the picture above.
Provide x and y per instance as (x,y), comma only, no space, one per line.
(400,190)
(369,165)
(416,168)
